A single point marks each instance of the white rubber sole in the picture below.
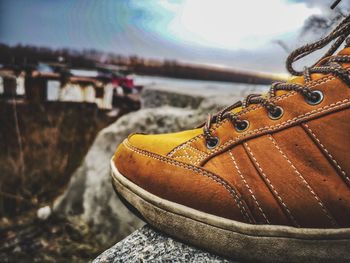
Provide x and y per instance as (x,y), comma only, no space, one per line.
(233,239)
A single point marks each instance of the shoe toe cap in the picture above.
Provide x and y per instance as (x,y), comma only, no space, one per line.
(161,144)
(178,182)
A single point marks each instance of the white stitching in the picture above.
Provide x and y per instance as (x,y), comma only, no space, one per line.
(272,127)
(198,151)
(183,147)
(202,155)
(272,187)
(292,93)
(269,128)
(304,181)
(255,107)
(211,176)
(326,151)
(248,187)
(194,159)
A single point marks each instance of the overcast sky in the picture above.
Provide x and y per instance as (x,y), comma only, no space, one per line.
(240,34)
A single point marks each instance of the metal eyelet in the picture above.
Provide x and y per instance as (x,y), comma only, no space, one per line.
(212,142)
(315,98)
(276,114)
(241,126)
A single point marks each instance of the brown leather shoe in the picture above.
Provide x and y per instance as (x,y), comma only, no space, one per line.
(265,180)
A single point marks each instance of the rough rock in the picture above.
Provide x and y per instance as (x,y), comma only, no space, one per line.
(90,194)
(149,245)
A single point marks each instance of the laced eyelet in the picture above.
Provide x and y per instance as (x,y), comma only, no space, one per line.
(241,126)
(315,98)
(276,114)
(212,142)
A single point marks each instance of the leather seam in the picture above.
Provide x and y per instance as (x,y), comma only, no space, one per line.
(324,209)
(211,176)
(327,152)
(292,93)
(255,107)
(326,108)
(271,186)
(195,159)
(249,188)
(283,124)
(190,147)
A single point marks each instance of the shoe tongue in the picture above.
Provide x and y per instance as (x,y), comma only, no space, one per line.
(300,80)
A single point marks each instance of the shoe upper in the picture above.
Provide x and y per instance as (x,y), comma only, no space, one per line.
(292,170)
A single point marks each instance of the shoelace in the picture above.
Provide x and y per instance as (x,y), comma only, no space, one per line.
(327,64)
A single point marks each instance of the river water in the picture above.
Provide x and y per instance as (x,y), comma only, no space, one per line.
(204,88)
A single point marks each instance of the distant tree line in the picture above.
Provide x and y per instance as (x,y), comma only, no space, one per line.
(25,56)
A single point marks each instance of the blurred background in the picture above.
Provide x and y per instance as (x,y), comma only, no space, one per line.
(77,76)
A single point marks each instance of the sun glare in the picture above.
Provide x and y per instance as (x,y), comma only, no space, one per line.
(232,24)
